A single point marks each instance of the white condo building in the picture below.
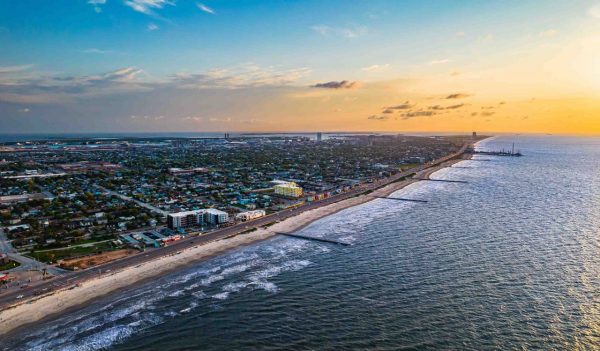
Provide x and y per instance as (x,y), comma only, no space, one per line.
(194,218)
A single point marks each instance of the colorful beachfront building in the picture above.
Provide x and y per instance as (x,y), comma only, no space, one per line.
(289,189)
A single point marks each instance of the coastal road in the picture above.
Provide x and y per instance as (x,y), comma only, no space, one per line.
(67,280)
(5,246)
(26,262)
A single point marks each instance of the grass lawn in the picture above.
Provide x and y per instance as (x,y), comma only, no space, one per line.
(9,265)
(55,255)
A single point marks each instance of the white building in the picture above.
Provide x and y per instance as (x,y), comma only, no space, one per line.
(195,218)
(250,215)
(214,216)
(185,219)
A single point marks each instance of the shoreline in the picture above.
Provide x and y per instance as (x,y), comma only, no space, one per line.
(63,300)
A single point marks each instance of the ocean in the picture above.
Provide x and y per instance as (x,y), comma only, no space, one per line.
(509,260)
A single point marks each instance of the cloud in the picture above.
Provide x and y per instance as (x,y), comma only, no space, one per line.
(349,32)
(205,8)
(146,118)
(451,107)
(24,88)
(14,69)
(42,89)
(24,110)
(353,32)
(413,114)
(344,84)
(239,77)
(387,110)
(152,26)
(97,4)
(147,6)
(437,62)
(548,33)
(321,29)
(460,34)
(457,96)
(96,51)
(404,106)
(487,113)
(376,68)
(378,118)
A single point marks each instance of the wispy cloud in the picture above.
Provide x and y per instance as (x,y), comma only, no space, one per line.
(451,107)
(205,8)
(14,69)
(97,4)
(378,118)
(41,89)
(376,68)
(438,62)
(411,114)
(457,96)
(148,6)
(321,29)
(24,87)
(344,84)
(353,32)
(96,51)
(346,32)
(244,76)
(403,106)
(152,26)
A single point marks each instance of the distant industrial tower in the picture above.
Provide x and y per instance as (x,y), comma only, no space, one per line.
(319,136)
(474,135)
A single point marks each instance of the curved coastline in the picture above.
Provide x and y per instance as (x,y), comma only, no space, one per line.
(50,305)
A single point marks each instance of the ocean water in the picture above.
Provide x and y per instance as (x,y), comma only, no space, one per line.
(510,260)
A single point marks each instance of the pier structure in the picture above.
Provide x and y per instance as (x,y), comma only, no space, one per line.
(400,199)
(444,180)
(312,238)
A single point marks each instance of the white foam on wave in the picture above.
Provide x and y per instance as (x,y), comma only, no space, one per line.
(235,287)
(190,307)
(199,294)
(221,296)
(176,293)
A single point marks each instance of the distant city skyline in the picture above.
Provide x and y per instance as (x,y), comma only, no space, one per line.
(307,66)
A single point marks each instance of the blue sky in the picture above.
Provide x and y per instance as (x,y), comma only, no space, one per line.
(260,44)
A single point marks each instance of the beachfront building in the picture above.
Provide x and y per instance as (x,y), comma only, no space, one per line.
(250,215)
(195,218)
(289,189)
(185,219)
(214,216)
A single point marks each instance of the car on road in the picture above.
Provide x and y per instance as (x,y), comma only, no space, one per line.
(20,297)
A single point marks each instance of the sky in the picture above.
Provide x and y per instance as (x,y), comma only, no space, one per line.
(299,66)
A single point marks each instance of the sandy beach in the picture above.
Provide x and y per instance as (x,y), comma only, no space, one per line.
(61,300)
